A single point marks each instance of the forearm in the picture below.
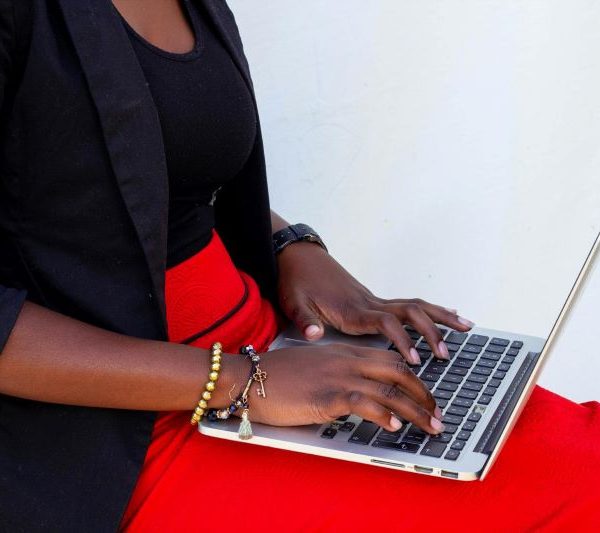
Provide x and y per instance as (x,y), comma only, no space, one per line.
(53,358)
(278,222)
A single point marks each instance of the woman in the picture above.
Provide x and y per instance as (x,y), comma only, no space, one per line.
(136,232)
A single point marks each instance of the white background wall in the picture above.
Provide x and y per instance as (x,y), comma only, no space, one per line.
(444,149)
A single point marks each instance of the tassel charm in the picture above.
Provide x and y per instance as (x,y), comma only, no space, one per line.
(245,431)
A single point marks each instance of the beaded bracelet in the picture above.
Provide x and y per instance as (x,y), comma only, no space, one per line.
(241,402)
(213,376)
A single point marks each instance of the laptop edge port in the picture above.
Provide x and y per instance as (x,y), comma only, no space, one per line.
(387,463)
(447,473)
(423,469)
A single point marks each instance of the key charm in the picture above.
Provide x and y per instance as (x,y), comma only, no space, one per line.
(260,376)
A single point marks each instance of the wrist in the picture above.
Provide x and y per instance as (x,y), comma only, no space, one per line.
(232,378)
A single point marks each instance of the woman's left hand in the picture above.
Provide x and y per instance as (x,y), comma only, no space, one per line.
(314,290)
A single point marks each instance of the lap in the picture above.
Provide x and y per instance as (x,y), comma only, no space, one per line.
(544,479)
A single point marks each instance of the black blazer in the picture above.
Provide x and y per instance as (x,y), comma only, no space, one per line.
(83,207)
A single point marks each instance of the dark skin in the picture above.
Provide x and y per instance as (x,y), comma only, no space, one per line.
(53,358)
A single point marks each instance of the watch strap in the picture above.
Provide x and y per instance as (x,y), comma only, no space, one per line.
(295,233)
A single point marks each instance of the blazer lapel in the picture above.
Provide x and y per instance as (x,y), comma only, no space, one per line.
(130,126)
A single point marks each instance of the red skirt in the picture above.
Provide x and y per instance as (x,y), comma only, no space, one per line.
(547,477)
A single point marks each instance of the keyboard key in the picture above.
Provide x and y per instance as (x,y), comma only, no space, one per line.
(444,385)
(468,356)
(450,429)
(491,356)
(389,437)
(430,376)
(457,411)
(364,433)
(424,354)
(503,367)
(443,331)
(494,383)
(470,385)
(433,449)
(442,394)
(441,437)
(478,340)
(489,391)
(423,346)
(499,342)
(462,402)
(464,363)
(452,347)
(347,426)
(470,348)
(343,418)
(495,348)
(457,445)
(463,435)
(429,384)
(452,419)
(452,455)
(468,426)
(499,375)
(408,447)
(483,371)
(435,368)
(458,370)
(509,360)
(469,394)
(452,378)
(487,363)
(476,378)
(440,402)
(517,344)
(484,400)
(456,337)
(414,434)
(474,417)
(329,433)
(513,351)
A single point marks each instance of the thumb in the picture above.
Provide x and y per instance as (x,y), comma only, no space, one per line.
(308,322)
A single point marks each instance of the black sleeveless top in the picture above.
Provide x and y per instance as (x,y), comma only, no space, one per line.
(208,125)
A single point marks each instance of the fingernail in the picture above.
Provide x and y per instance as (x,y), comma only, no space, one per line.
(437,412)
(451,310)
(437,425)
(466,322)
(414,356)
(395,423)
(312,330)
(443,349)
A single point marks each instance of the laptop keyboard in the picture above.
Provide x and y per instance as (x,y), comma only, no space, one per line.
(462,387)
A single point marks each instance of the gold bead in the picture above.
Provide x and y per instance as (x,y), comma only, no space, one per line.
(203,404)
(199,411)
(216,367)
(206,395)
(213,376)
(210,386)
(216,359)
(217,346)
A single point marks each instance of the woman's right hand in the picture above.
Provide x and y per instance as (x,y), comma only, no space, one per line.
(317,384)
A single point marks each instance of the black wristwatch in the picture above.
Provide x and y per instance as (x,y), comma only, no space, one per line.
(295,233)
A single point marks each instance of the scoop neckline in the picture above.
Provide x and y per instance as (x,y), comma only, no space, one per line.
(176,56)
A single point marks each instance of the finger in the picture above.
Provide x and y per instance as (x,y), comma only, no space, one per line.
(386,367)
(442,315)
(445,316)
(307,321)
(362,405)
(416,317)
(394,399)
(388,324)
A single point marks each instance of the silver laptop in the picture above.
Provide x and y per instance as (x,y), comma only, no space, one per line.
(481,391)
